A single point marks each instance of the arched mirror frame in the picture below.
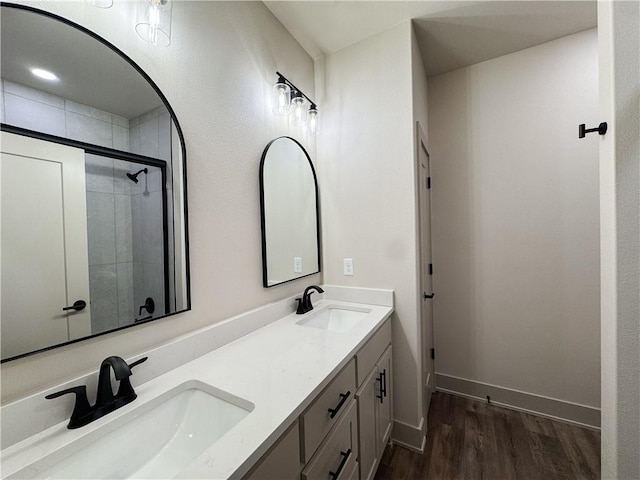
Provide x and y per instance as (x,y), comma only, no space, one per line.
(96,149)
(265,281)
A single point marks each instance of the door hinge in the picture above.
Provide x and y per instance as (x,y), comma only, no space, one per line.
(433,354)
(431,269)
(428,182)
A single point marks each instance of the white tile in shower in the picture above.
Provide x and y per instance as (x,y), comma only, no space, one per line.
(137,228)
(152,228)
(154,285)
(151,114)
(87,111)
(123,224)
(99,173)
(34,115)
(164,139)
(33,94)
(139,290)
(149,138)
(154,179)
(120,138)
(90,130)
(101,228)
(126,307)
(103,286)
(120,121)
(134,139)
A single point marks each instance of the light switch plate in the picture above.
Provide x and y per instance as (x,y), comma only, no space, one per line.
(348,266)
(297,264)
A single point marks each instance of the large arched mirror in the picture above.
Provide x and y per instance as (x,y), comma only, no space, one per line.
(93,192)
(289,207)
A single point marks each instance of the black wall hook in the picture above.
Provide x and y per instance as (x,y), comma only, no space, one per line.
(601,129)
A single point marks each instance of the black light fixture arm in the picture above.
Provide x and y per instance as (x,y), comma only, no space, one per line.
(293,87)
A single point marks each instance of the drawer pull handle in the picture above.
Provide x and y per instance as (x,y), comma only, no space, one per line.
(345,457)
(343,398)
(381,395)
(384,379)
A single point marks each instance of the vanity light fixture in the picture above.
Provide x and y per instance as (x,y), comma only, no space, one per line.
(298,115)
(312,120)
(281,97)
(100,3)
(153,23)
(44,74)
(290,100)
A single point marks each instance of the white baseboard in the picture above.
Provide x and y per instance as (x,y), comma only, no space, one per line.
(575,413)
(409,436)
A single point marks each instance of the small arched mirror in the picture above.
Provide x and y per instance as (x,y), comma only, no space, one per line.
(93,192)
(289,207)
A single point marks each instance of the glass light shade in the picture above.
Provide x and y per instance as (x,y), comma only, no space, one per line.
(298,114)
(153,22)
(281,99)
(100,3)
(313,121)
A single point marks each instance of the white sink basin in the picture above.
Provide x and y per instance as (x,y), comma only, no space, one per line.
(334,318)
(156,440)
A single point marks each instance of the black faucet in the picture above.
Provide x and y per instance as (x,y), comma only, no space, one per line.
(304,303)
(106,402)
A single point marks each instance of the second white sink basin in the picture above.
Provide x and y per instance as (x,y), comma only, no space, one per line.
(334,318)
(156,440)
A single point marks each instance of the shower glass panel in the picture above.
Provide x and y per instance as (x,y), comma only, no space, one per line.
(128,241)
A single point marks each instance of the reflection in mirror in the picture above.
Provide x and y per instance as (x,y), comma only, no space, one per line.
(289,207)
(115,236)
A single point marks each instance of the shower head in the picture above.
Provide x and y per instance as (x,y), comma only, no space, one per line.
(134,176)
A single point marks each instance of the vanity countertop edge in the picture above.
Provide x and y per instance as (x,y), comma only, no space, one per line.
(280,368)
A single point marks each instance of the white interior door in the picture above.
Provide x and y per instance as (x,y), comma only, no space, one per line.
(426,273)
(43,255)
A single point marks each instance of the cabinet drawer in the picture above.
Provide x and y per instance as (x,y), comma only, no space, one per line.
(281,462)
(317,420)
(373,349)
(339,449)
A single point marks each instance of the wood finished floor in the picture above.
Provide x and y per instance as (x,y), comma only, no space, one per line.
(469,439)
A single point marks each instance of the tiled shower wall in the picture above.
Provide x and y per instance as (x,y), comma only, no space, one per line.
(124,219)
(40,111)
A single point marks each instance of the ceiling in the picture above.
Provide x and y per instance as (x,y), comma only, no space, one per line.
(451,34)
(90,73)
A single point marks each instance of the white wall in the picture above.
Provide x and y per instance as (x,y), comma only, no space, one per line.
(516,227)
(217,74)
(619,44)
(366,176)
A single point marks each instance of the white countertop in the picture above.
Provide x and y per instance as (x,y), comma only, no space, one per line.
(280,368)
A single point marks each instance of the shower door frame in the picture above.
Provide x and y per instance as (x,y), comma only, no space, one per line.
(128,157)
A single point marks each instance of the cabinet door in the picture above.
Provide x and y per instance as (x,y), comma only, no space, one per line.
(384,403)
(282,461)
(367,425)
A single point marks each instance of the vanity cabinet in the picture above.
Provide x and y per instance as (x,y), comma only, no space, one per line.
(374,413)
(327,409)
(343,432)
(337,457)
(282,461)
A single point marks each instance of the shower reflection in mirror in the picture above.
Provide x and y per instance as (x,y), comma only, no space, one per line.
(126,201)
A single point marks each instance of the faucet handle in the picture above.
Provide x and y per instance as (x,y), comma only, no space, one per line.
(81,407)
(138,362)
(125,390)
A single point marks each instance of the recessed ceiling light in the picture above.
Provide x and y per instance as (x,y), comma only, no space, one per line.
(44,74)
